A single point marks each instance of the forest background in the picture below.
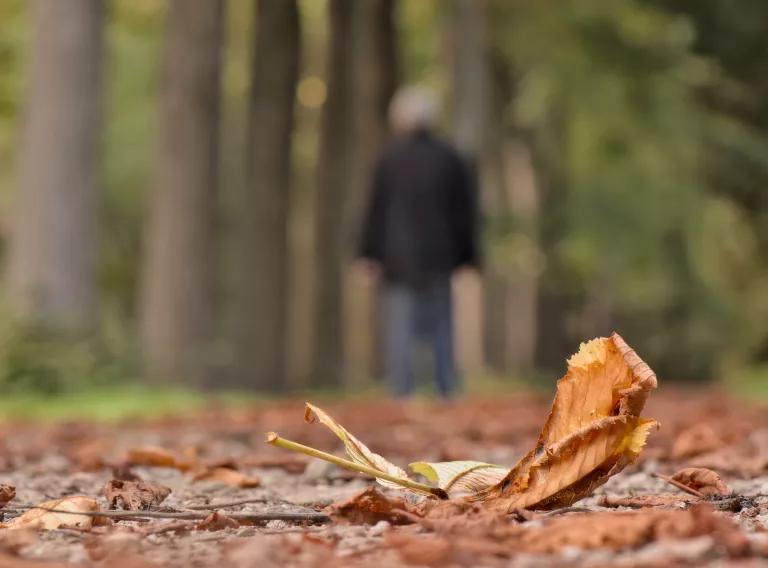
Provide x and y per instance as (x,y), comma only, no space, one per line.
(181,184)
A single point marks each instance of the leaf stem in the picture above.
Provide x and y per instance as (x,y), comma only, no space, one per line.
(276,440)
(680,486)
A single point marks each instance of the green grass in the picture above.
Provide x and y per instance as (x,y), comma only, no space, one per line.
(109,404)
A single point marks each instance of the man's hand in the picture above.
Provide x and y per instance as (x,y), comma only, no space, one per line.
(368,269)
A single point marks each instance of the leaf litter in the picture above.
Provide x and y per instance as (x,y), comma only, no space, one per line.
(534,518)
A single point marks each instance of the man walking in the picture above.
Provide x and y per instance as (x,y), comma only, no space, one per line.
(420,227)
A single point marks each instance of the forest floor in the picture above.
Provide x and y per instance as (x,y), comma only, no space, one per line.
(47,461)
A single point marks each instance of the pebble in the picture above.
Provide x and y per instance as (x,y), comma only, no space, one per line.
(380,528)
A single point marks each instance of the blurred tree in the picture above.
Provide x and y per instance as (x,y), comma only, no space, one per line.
(734,35)
(620,139)
(332,178)
(176,306)
(51,270)
(513,258)
(374,67)
(261,285)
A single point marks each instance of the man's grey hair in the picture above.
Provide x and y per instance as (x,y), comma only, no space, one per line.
(413,108)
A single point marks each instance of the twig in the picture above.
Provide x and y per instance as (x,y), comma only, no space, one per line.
(180,526)
(564,511)
(191,516)
(680,486)
(214,506)
(276,440)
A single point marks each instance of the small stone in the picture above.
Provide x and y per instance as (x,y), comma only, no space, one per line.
(380,528)
(571,553)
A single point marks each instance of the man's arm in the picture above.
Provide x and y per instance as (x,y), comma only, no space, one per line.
(467,214)
(374,223)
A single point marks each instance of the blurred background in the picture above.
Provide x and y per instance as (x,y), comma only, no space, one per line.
(182,181)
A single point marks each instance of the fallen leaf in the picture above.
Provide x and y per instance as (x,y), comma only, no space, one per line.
(461,476)
(228,477)
(88,454)
(42,519)
(641,501)
(357,451)
(13,541)
(291,464)
(134,496)
(696,440)
(122,471)
(156,456)
(703,480)
(732,461)
(7,492)
(417,550)
(460,518)
(370,507)
(439,551)
(620,530)
(217,522)
(593,432)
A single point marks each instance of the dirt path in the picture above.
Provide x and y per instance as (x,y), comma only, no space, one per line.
(709,430)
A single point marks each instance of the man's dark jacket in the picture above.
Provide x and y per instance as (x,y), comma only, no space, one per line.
(422,219)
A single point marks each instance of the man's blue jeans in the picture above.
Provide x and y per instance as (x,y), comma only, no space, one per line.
(407,312)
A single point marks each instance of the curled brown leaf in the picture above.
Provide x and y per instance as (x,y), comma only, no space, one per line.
(703,480)
(369,507)
(7,492)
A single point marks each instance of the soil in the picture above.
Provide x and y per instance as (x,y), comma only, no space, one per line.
(711,430)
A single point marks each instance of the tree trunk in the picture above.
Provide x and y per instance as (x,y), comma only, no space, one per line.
(52,257)
(470,102)
(332,177)
(261,288)
(374,68)
(176,308)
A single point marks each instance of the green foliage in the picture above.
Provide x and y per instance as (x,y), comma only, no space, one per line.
(617,87)
(39,361)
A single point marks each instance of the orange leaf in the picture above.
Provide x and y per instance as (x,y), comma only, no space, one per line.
(593,432)
(228,477)
(217,522)
(157,457)
(703,480)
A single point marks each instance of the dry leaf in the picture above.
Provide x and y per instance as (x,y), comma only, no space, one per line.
(696,440)
(641,501)
(13,541)
(357,451)
(593,432)
(41,519)
(370,507)
(291,464)
(122,471)
(134,496)
(7,492)
(703,480)
(217,522)
(157,457)
(228,477)
(461,476)
(416,550)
